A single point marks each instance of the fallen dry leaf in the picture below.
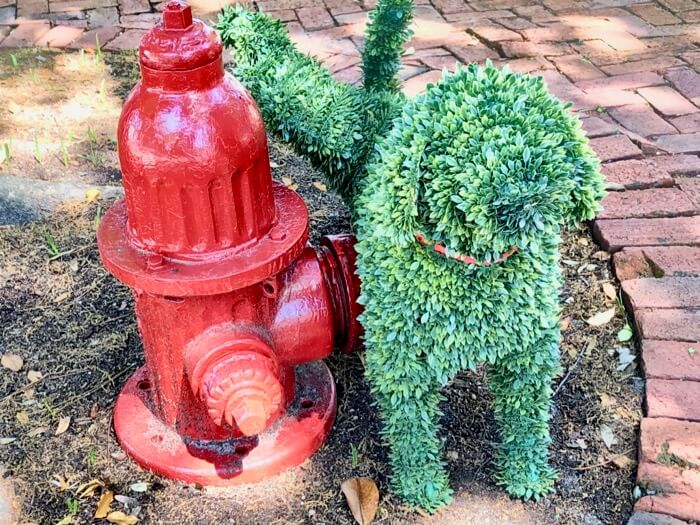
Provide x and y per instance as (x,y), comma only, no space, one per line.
(104,504)
(607,435)
(92,195)
(86,490)
(37,431)
(290,183)
(22,418)
(609,291)
(12,362)
(141,486)
(120,518)
(67,520)
(61,297)
(362,496)
(564,324)
(7,440)
(320,186)
(602,318)
(621,461)
(34,375)
(61,483)
(63,425)
(601,256)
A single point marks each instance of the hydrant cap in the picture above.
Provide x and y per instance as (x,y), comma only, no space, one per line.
(178,42)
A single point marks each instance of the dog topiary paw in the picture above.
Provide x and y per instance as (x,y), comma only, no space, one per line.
(538,483)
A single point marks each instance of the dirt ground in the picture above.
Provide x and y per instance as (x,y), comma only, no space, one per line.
(73,324)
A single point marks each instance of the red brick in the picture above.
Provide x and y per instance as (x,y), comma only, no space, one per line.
(655,202)
(687,123)
(686,81)
(660,440)
(614,147)
(576,68)
(667,100)
(516,23)
(315,18)
(664,437)
(140,21)
(26,34)
(469,54)
(668,324)
(129,39)
(622,41)
(684,143)
(628,81)
(418,84)
(631,263)
(639,66)
(673,398)
(654,14)
(614,234)
(558,85)
(451,6)
(78,5)
(671,360)
(597,127)
(675,491)
(474,18)
(691,16)
(89,39)
(440,62)
(679,261)
(550,33)
(358,17)
(351,75)
(652,518)
(664,292)
(533,49)
(607,98)
(637,174)
(349,5)
(59,36)
(641,119)
(679,164)
(339,62)
(691,187)
(285,15)
(129,7)
(30,8)
(527,65)
(494,33)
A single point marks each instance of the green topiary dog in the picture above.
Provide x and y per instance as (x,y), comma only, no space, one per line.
(458,198)
(458,220)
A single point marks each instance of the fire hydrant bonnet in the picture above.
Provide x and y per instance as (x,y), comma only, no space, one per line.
(178,42)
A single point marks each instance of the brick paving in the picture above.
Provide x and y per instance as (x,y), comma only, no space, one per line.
(629,68)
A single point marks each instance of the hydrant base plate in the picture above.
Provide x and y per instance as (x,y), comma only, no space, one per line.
(288,443)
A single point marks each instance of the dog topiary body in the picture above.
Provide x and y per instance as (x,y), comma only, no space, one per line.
(486,163)
(487,166)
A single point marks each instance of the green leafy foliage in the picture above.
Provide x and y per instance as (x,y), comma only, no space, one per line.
(483,162)
(331,123)
(388,30)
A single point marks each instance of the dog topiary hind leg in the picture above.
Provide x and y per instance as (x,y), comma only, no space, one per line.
(521,387)
(411,417)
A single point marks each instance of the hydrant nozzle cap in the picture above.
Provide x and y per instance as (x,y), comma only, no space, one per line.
(179,42)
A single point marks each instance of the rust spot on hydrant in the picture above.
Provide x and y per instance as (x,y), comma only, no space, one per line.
(234,309)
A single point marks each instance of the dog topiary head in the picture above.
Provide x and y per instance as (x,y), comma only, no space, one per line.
(485,161)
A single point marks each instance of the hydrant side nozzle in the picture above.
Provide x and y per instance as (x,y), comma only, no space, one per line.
(337,257)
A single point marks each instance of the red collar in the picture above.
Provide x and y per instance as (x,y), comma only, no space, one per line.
(439,248)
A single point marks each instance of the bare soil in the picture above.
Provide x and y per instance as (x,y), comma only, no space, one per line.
(72,322)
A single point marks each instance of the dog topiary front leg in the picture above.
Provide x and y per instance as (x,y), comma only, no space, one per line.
(521,386)
(411,416)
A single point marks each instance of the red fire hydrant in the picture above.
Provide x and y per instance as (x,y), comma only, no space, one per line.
(235,311)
